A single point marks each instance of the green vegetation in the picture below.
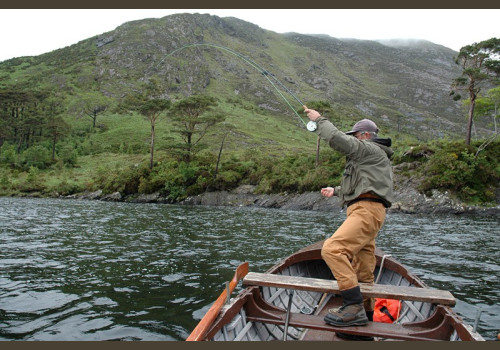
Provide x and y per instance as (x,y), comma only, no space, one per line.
(454,166)
(111,113)
(48,152)
(479,63)
(274,154)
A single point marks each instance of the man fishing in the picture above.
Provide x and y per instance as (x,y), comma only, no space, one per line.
(367,190)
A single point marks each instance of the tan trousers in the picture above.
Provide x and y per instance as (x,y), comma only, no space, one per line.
(350,251)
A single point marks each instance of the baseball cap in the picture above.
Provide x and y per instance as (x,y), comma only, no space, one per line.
(363,125)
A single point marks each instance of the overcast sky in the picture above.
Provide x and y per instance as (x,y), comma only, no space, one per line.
(28,32)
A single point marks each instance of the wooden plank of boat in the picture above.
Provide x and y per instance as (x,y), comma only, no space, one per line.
(382,330)
(214,310)
(439,326)
(330,286)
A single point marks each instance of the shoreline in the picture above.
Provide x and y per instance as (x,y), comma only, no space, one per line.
(408,201)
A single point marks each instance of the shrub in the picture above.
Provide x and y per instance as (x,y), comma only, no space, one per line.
(173,179)
(4,181)
(316,179)
(68,155)
(32,182)
(419,153)
(125,181)
(37,156)
(179,179)
(66,187)
(298,172)
(8,154)
(455,167)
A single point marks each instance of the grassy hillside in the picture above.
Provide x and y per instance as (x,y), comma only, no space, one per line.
(366,78)
(404,89)
(276,155)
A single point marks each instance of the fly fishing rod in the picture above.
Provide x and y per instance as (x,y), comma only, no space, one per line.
(311,126)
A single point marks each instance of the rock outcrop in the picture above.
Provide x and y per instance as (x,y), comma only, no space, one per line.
(407,199)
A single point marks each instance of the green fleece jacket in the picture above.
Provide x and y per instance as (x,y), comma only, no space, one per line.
(368,165)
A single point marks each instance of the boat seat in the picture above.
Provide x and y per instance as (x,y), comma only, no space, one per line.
(430,295)
(436,327)
(439,330)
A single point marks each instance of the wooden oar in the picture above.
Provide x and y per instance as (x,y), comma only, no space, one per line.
(207,320)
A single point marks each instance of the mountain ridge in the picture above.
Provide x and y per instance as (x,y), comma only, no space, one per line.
(407,86)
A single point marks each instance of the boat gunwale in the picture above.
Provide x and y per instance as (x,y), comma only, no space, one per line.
(313,252)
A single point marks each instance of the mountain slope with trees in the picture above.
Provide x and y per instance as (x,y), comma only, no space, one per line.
(95,115)
(409,83)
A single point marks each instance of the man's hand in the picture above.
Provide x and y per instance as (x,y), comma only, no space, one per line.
(312,114)
(327,192)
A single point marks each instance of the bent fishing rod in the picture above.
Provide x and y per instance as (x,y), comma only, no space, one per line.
(311,126)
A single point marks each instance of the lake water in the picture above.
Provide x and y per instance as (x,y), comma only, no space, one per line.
(91,270)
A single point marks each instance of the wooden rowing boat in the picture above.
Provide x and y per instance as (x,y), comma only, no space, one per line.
(290,300)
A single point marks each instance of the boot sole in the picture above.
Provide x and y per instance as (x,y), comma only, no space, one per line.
(348,336)
(345,324)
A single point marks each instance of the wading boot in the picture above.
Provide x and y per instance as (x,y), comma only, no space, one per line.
(347,336)
(351,313)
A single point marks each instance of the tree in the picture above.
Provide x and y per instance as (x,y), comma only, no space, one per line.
(90,104)
(57,128)
(151,105)
(493,96)
(193,116)
(36,156)
(19,111)
(324,108)
(11,103)
(489,106)
(480,63)
(226,129)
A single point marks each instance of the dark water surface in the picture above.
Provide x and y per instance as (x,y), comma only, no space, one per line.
(90,270)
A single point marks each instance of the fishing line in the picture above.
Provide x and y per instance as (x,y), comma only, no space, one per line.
(255,65)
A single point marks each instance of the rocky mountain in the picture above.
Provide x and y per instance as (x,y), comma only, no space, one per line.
(403,86)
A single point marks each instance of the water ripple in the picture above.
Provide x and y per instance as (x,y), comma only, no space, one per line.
(89,270)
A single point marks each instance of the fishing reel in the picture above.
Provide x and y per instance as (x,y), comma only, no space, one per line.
(312,126)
